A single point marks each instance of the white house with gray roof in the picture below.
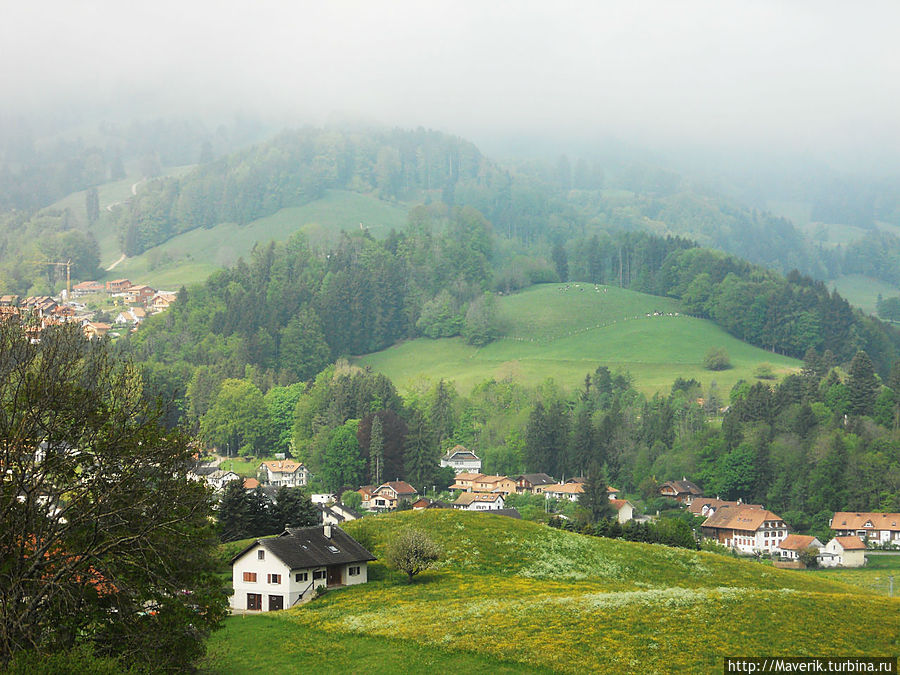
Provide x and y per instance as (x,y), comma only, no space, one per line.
(280,572)
(461,460)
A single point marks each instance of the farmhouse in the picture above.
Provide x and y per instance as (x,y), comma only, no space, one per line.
(476,501)
(844,552)
(683,490)
(284,472)
(389,495)
(527,482)
(879,528)
(706,506)
(624,510)
(570,491)
(461,460)
(465,482)
(746,528)
(87,287)
(219,478)
(118,286)
(272,574)
(793,544)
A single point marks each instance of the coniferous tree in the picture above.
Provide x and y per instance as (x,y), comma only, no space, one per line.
(293,508)
(420,459)
(862,384)
(233,513)
(376,452)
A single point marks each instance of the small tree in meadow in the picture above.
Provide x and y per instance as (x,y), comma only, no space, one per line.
(717,359)
(412,551)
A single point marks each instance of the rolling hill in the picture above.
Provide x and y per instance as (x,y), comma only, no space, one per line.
(191,257)
(549,331)
(521,597)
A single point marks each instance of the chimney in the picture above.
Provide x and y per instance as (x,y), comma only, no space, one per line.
(327,530)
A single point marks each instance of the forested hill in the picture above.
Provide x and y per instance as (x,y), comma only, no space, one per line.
(288,311)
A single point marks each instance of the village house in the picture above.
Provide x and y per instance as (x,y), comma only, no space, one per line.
(94,330)
(140,295)
(250,484)
(527,482)
(624,510)
(683,490)
(389,495)
(570,491)
(461,460)
(847,551)
(611,492)
(118,286)
(478,501)
(793,545)
(133,315)
(873,528)
(284,472)
(367,492)
(706,506)
(277,573)
(745,528)
(425,503)
(465,481)
(218,479)
(161,301)
(87,288)
(336,513)
(501,484)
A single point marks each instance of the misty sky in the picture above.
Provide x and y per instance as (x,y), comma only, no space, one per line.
(806,75)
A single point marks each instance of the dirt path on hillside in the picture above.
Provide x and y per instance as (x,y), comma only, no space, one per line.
(113,266)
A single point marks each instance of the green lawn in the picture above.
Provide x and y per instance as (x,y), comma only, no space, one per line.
(567,334)
(515,595)
(192,256)
(241,466)
(873,577)
(861,291)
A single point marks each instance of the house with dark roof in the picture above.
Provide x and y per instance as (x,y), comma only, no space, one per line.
(280,572)
(461,460)
(336,513)
(527,482)
(683,490)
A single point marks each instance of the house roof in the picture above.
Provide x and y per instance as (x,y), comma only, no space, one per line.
(304,547)
(619,503)
(697,504)
(401,487)
(251,483)
(467,476)
(797,542)
(459,452)
(466,498)
(565,488)
(537,478)
(283,466)
(857,520)
(683,486)
(850,543)
(743,517)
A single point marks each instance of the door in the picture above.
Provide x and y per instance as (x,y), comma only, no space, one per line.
(334,575)
(276,602)
(254,601)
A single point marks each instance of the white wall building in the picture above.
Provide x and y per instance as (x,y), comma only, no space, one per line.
(461,460)
(279,572)
(284,472)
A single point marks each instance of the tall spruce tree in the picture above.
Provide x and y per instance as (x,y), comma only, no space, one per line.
(863,385)
(376,452)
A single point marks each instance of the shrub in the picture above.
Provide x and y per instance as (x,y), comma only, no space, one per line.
(717,359)
(412,551)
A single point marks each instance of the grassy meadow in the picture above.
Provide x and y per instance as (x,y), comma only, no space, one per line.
(192,256)
(516,596)
(862,291)
(551,332)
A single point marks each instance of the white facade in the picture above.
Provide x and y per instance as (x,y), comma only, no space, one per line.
(285,473)
(835,555)
(217,480)
(764,540)
(481,502)
(462,461)
(265,583)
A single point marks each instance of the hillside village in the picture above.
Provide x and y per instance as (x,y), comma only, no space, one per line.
(740,528)
(121,304)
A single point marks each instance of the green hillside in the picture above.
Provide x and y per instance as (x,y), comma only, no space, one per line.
(522,597)
(564,334)
(191,257)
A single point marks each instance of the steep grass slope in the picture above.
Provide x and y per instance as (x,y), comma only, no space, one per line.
(512,592)
(564,334)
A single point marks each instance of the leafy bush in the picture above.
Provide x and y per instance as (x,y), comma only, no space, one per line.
(717,359)
(412,551)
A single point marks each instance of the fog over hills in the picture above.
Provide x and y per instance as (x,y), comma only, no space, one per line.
(810,79)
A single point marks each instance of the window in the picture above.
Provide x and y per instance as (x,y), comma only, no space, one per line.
(250,577)
(301,576)
(260,555)
(273,578)
(319,574)
(353,571)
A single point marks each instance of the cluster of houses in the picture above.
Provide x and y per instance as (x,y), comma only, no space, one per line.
(44,311)
(752,529)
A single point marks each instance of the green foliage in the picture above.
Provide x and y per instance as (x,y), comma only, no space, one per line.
(412,551)
(352,499)
(106,541)
(440,317)
(717,359)
(481,326)
(341,462)
(237,421)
